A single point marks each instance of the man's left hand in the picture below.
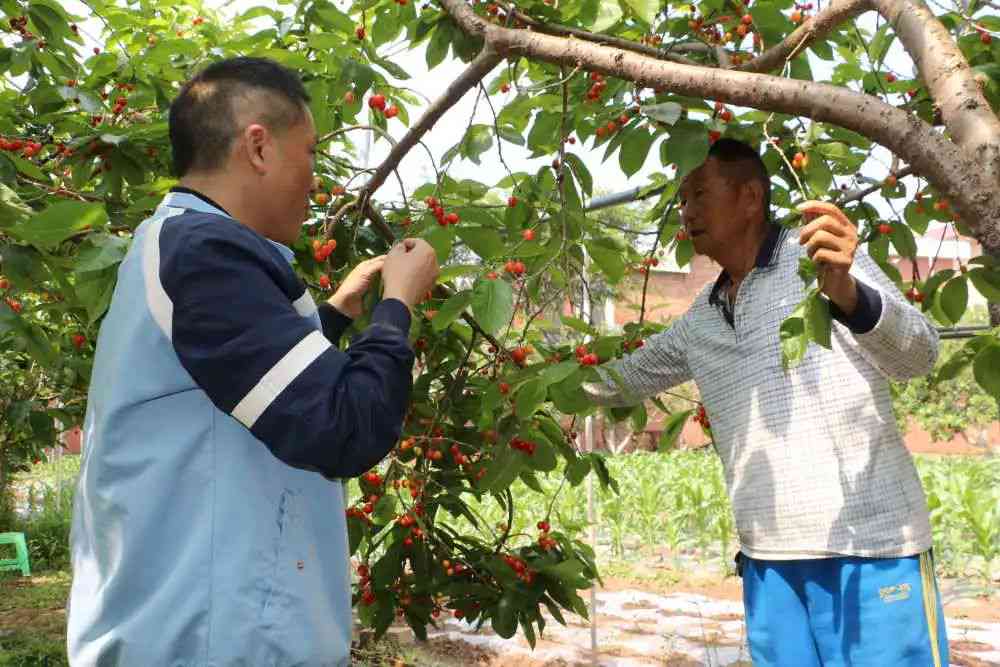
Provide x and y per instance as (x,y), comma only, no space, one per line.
(348,298)
(831,240)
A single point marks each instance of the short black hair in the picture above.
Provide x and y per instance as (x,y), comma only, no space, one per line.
(743,164)
(203,116)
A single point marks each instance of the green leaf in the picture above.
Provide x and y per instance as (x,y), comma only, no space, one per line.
(609,13)
(770,22)
(529,397)
(902,239)
(954,297)
(386,27)
(483,241)
(932,284)
(807,270)
(35,342)
(956,363)
(794,339)
(687,146)
(917,217)
(559,372)
(818,175)
(609,260)
(577,324)
(94,289)
(441,239)
(568,396)
(683,252)
(570,572)
(27,168)
(455,270)
(12,209)
(492,304)
(543,459)
(503,469)
(818,321)
(645,9)
(451,310)
(635,148)
(505,615)
(437,49)
(987,281)
(577,470)
(672,430)
(986,368)
(580,171)
(101,251)
(60,221)
(477,140)
(665,112)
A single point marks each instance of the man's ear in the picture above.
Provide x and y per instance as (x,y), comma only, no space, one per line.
(255,139)
(753,192)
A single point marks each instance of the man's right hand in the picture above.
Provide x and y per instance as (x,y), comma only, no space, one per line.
(410,271)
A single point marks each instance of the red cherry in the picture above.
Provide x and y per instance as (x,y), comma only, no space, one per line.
(360,32)
(392,111)
(519,355)
(79,340)
(884,228)
(377,101)
(512,201)
(452,218)
(504,388)
(528,234)
(890,77)
(324,281)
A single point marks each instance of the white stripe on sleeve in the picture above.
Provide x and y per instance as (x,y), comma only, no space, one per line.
(279,377)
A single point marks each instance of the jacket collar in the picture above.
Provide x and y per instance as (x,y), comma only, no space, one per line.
(766,256)
(192,200)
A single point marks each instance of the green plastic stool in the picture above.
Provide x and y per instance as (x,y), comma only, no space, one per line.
(21,547)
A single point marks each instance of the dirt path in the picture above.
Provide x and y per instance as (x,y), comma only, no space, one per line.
(686,626)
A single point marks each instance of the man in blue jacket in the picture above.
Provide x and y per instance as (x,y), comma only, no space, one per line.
(209,526)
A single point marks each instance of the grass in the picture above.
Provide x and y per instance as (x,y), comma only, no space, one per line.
(33,619)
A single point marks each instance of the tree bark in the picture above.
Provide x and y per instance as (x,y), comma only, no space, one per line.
(965,174)
(967,116)
(814,28)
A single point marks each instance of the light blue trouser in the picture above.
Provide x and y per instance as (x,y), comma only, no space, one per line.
(850,612)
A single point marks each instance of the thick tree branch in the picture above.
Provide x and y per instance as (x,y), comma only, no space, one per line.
(948,77)
(930,154)
(812,29)
(598,38)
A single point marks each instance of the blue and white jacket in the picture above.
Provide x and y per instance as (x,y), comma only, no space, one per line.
(208,528)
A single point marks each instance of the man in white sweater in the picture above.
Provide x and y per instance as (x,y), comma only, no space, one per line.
(833,524)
